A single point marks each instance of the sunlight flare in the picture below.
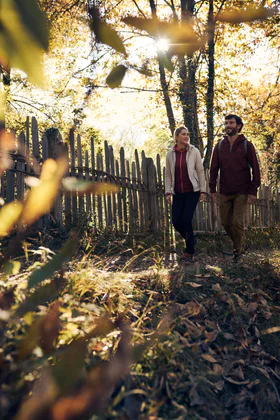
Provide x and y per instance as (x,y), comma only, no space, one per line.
(162,44)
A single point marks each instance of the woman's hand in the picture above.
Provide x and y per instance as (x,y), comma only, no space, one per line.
(203,196)
(168,198)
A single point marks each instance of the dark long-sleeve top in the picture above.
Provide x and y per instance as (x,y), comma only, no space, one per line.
(235,164)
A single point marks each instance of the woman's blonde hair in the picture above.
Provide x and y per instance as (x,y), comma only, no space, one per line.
(178,131)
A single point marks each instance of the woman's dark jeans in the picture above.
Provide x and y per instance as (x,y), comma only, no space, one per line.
(183,208)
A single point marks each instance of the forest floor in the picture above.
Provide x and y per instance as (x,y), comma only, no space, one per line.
(203,341)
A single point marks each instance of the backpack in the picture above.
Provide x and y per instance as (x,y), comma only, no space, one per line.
(245,147)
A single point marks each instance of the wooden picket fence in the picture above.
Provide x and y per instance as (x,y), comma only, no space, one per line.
(138,208)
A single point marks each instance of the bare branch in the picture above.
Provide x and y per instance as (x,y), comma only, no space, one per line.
(139,10)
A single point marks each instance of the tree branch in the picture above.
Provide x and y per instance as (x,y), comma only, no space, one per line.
(139,10)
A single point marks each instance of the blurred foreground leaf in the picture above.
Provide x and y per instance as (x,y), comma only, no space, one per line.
(104,33)
(61,398)
(11,267)
(54,264)
(9,215)
(43,332)
(23,35)
(115,78)
(182,38)
(7,298)
(7,144)
(41,198)
(47,293)
(246,15)
(87,187)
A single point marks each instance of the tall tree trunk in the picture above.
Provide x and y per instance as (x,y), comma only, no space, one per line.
(187,90)
(166,96)
(163,82)
(210,87)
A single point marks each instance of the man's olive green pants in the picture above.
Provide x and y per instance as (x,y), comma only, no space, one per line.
(232,212)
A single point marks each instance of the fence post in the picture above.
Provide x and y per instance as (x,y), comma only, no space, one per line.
(145,194)
(55,149)
(152,191)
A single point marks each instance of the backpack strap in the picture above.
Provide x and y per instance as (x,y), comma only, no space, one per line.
(219,145)
(246,152)
(246,146)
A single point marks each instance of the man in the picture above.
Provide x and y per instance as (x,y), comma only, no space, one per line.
(235,157)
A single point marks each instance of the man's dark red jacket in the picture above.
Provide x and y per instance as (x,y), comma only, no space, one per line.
(234,165)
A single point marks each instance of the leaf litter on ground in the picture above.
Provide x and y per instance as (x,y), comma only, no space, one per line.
(216,356)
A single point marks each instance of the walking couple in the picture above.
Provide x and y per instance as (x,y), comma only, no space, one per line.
(235,157)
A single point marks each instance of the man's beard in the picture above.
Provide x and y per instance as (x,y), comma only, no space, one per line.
(232,132)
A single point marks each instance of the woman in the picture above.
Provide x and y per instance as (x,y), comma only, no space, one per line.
(185,181)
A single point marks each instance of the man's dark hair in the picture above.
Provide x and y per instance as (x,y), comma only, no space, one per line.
(238,120)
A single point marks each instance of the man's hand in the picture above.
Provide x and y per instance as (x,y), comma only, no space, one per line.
(168,198)
(203,196)
(251,199)
(214,197)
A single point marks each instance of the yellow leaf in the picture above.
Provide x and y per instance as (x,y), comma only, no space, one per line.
(87,187)
(193,284)
(48,170)
(9,215)
(19,48)
(247,15)
(271,330)
(39,201)
(41,198)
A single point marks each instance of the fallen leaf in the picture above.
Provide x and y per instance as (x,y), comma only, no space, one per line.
(193,284)
(233,381)
(270,330)
(209,358)
(219,385)
(211,336)
(203,276)
(252,307)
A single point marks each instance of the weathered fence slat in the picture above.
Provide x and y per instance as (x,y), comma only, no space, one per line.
(119,200)
(20,167)
(74,200)
(130,203)
(109,197)
(80,175)
(93,178)
(140,193)
(123,180)
(88,196)
(27,136)
(112,171)
(67,199)
(99,197)
(160,194)
(35,139)
(146,195)
(152,189)
(135,199)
